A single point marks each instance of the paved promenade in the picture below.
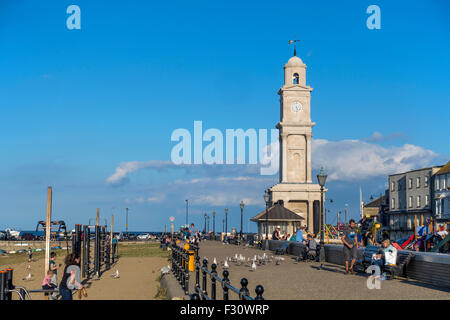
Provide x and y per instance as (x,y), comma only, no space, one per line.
(299,281)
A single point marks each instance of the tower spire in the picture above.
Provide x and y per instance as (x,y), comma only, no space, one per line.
(294,42)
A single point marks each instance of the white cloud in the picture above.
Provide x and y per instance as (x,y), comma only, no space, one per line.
(343,160)
(359,160)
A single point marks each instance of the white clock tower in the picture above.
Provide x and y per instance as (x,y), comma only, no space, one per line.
(296,188)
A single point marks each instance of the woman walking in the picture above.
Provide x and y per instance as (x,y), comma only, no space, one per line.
(71,278)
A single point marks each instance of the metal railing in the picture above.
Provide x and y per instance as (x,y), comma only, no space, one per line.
(202,293)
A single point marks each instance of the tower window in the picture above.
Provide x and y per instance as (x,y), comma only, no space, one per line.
(295,78)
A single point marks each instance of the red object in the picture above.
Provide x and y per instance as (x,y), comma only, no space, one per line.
(396,246)
(404,244)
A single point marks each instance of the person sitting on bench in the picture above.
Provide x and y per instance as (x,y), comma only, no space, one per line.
(310,247)
(386,256)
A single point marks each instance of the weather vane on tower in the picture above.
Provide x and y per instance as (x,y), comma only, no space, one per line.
(294,42)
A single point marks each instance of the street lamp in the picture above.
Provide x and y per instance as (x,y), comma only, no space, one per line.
(266,200)
(207,217)
(321,177)
(226,222)
(242,213)
(204,229)
(346,207)
(187,224)
(127,222)
(214,224)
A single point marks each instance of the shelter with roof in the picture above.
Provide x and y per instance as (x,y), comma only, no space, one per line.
(277,216)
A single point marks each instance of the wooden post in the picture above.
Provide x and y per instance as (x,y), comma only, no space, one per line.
(98,216)
(171,226)
(421,220)
(47,229)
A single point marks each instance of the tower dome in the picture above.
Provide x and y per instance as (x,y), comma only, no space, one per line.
(295,62)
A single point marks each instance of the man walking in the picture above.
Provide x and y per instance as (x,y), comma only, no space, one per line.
(350,241)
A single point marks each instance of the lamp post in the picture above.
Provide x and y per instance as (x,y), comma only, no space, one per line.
(223,225)
(346,207)
(242,213)
(266,200)
(321,178)
(214,224)
(187,224)
(204,229)
(127,222)
(207,217)
(226,222)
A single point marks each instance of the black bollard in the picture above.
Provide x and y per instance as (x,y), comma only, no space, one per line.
(225,281)
(213,281)
(197,274)
(2,285)
(9,283)
(259,292)
(244,291)
(204,268)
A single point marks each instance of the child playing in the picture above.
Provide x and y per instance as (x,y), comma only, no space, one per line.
(30,254)
(47,282)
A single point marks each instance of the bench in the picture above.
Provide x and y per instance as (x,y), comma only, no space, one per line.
(402,262)
(283,249)
(362,264)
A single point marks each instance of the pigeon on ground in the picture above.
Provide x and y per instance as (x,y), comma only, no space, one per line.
(225,265)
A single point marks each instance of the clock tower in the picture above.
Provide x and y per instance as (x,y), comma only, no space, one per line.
(296,188)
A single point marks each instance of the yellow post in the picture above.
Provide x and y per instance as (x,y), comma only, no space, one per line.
(421,220)
(415,227)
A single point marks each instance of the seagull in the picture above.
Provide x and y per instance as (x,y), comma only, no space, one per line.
(253,266)
(115,275)
(29,267)
(225,265)
(165,270)
(29,277)
(215,261)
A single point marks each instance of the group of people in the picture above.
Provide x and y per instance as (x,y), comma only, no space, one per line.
(71,277)
(310,245)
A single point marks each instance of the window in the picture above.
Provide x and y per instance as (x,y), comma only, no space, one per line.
(410,201)
(418,202)
(296,78)
(418,182)
(393,203)
(436,187)
(426,182)
(427,200)
(443,182)
(392,186)
(410,183)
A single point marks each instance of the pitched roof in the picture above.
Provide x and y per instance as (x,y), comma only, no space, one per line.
(444,169)
(277,213)
(376,203)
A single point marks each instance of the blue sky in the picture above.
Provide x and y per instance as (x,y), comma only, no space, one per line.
(75,104)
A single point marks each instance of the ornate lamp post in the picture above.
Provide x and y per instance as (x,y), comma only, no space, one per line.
(226,222)
(321,178)
(266,200)
(223,225)
(242,213)
(214,224)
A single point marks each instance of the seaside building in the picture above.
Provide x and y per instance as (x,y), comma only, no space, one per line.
(410,200)
(441,194)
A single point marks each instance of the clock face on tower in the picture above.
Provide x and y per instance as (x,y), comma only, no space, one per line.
(296,107)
